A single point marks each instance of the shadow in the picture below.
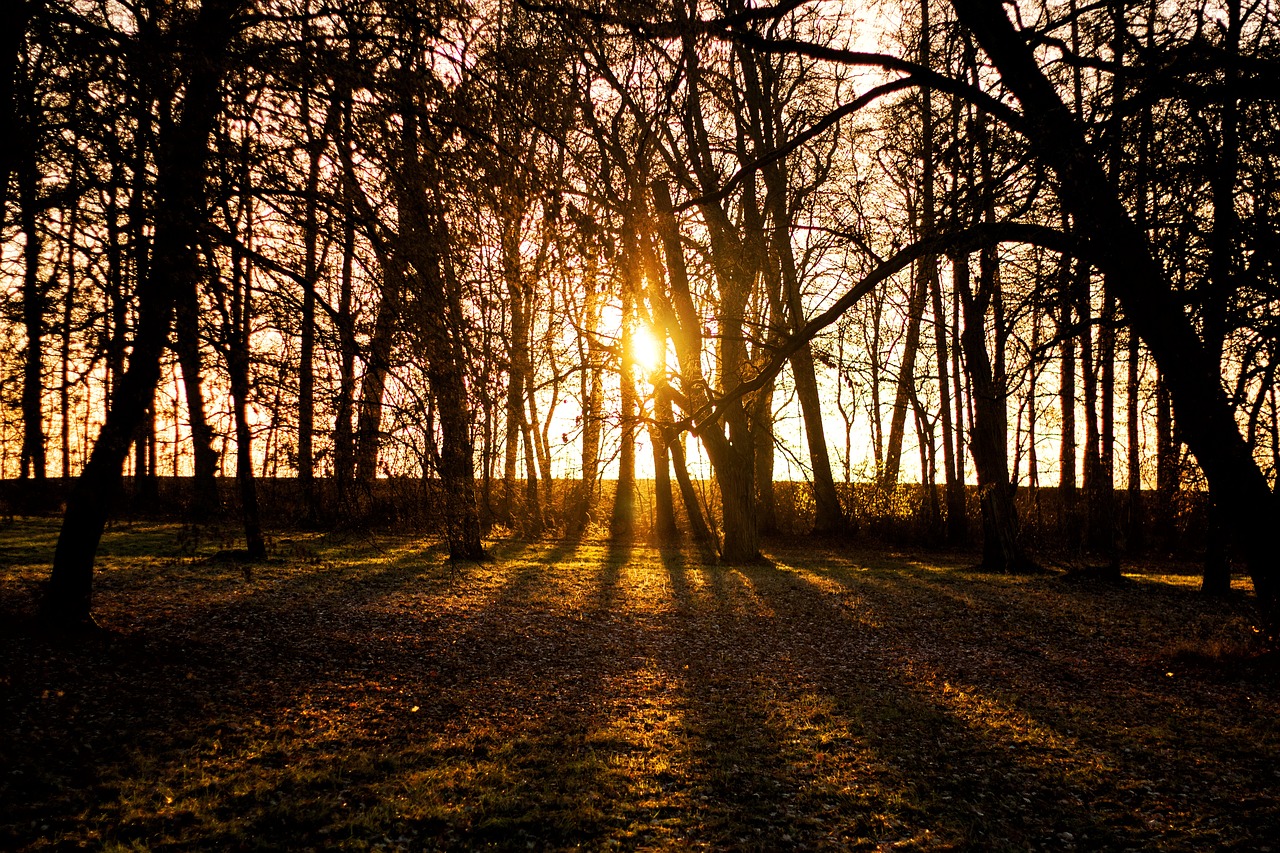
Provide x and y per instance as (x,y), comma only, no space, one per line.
(578,695)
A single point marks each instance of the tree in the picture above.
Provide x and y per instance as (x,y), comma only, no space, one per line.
(200,55)
(1120,248)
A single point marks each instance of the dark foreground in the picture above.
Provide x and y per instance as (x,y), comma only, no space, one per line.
(359,693)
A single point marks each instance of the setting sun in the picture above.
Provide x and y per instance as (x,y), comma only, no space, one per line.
(646,349)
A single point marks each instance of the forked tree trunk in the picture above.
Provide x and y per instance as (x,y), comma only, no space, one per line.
(1001,548)
(731,456)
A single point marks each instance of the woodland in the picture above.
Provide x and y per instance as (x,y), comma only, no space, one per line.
(737,318)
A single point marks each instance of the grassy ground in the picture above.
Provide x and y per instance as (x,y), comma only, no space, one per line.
(358,692)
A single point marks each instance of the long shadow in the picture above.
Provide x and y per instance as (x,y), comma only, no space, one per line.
(1052,708)
(251,680)
(758,712)
(865,718)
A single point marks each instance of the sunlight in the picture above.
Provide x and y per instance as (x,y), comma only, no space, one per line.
(646,349)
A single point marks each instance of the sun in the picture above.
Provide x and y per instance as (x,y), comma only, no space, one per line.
(646,349)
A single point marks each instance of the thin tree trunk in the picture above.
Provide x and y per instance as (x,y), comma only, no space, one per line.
(33,461)
(307,342)
(68,307)
(1136,527)
(592,408)
(1168,481)
(368,436)
(1067,459)
(236,307)
(622,523)
(343,438)
(204,498)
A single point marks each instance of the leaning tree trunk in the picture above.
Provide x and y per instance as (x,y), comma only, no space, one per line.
(180,169)
(204,497)
(1205,416)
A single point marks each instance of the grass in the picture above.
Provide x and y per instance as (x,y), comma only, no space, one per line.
(360,693)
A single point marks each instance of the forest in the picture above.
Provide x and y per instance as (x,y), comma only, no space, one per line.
(513,253)
(994,281)
(516,252)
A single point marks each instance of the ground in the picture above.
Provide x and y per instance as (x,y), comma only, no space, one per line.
(359,692)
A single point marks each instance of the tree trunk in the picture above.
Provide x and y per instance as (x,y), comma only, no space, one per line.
(731,456)
(425,244)
(343,439)
(68,309)
(368,437)
(33,461)
(1219,287)
(1001,549)
(906,383)
(447,376)
(11,56)
(664,508)
(180,171)
(1136,528)
(204,497)
(307,335)
(622,522)
(1205,416)
(1168,479)
(592,409)
(763,441)
(957,523)
(237,320)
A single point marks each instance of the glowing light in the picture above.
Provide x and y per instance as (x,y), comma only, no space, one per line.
(646,349)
